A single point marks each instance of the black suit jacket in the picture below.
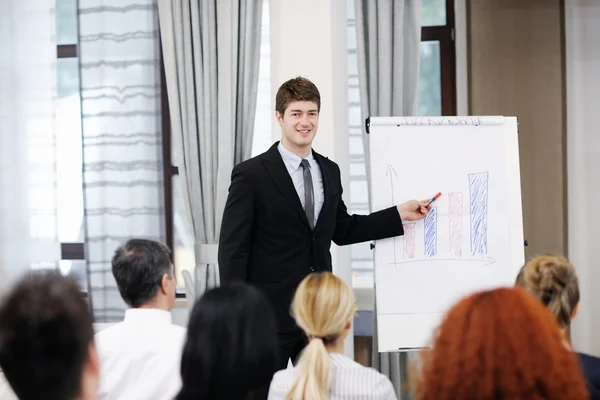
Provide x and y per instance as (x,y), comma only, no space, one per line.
(590,367)
(265,236)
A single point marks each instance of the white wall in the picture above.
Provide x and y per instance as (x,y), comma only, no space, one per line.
(308,39)
(583,164)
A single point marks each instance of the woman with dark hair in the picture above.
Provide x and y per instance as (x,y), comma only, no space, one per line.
(499,344)
(231,346)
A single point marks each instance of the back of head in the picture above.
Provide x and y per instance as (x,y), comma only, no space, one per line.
(499,344)
(296,89)
(231,345)
(138,267)
(552,280)
(45,336)
(323,307)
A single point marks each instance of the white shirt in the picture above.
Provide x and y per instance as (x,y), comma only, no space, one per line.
(350,381)
(140,358)
(292,163)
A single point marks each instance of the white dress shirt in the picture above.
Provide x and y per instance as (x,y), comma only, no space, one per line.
(350,381)
(292,163)
(140,358)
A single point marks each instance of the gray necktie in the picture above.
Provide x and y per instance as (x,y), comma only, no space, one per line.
(309,197)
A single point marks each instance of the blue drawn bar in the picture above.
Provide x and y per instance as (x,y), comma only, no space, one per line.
(478,192)
(431,233)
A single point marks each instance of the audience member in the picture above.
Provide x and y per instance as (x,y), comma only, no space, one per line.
(553,281)
(47,340)
(140,356)
(499,344)
(324,308)
(231,347)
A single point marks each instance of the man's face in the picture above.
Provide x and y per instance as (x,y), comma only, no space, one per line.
(299,124)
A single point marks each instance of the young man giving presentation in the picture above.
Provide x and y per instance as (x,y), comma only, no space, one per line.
(285,207)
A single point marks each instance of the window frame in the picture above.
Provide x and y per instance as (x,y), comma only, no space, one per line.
(169,170)
(445,35)
(70,251)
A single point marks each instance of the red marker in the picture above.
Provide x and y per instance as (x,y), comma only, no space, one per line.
(437,196)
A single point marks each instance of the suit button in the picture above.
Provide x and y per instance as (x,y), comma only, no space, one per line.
(312,269)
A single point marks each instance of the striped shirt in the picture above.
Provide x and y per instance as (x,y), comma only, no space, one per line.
(350,381)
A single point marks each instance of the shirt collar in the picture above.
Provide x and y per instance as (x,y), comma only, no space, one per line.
(340,359)
(291,158)
(147,316)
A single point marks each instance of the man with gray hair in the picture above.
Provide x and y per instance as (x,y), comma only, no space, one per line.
(140,357)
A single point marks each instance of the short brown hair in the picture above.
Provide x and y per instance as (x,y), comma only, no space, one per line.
(296,89)
(45,332)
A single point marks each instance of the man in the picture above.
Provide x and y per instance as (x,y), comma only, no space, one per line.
(285,207)
(140,357)
(47,340)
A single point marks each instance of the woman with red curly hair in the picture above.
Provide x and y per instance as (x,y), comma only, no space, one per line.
(499,344)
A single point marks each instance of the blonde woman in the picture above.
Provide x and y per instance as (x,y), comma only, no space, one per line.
(324,307)
(552,280)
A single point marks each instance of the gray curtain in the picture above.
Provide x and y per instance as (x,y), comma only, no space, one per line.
(388,47)
(121,130)
(211,53)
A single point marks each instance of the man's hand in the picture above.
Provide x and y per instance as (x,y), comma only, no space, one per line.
(413,210)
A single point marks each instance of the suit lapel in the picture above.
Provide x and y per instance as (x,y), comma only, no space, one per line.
(279,174)
(328,184)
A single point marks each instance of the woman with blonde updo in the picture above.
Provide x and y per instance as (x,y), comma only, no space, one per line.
(552,280)
(324,307)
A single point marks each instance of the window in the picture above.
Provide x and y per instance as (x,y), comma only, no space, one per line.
(67,146)
(436,97)
(179,235)
(437,81)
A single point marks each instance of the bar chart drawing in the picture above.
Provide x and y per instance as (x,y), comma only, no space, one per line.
(478,210)
(409,241)
(454,231)
(431,233)
(455,207)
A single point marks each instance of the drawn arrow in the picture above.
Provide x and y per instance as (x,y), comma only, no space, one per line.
(391,172)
